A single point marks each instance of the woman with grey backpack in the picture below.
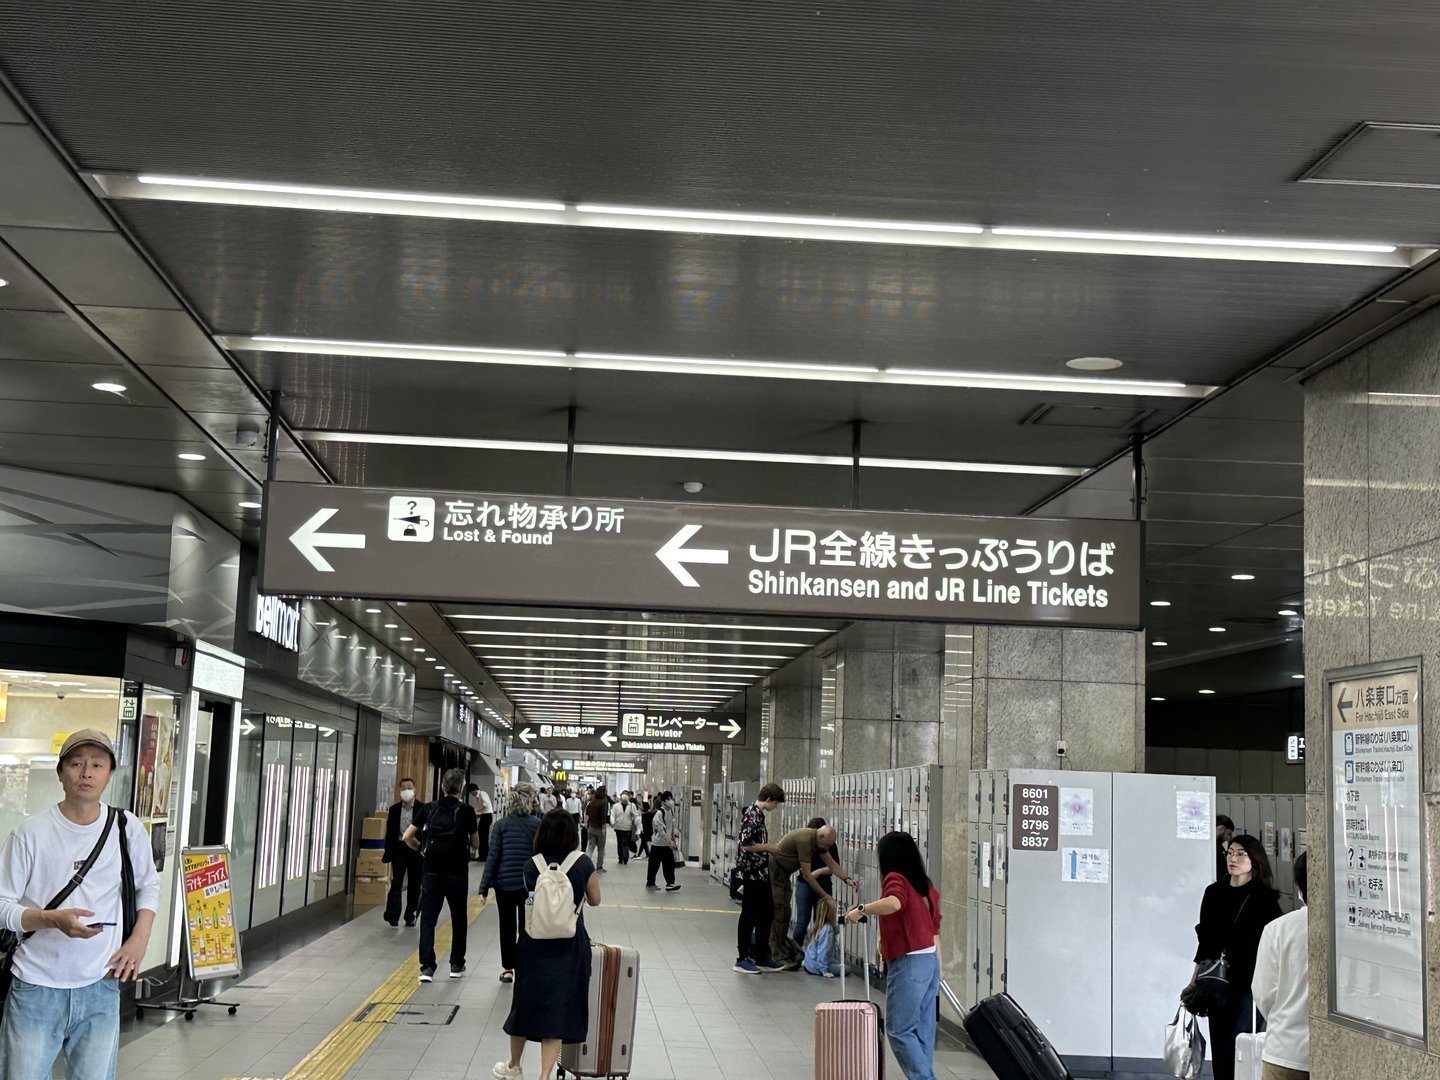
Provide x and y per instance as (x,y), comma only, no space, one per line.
(664,843)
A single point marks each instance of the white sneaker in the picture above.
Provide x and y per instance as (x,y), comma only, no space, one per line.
(503,1071)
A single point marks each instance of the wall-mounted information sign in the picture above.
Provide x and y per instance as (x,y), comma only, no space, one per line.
(1377,931)
(1035,817)
(1295,749)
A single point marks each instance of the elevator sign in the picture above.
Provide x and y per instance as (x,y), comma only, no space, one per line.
(1377,845)
(472,547)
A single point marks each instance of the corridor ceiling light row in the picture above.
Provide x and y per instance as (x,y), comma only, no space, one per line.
(279,195)
(702,365)
(651,641)
(545,663)
(645,622)
(673,452)
(625,637)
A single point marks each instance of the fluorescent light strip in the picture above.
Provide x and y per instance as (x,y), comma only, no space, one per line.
(552,212)
(653,640)
(815,372)
(639,693)
(576,681)
(645,622)
(543,663)
(685,453)
(641,679)
(1205,241)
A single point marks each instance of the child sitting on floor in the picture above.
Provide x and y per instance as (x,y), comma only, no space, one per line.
(822,952)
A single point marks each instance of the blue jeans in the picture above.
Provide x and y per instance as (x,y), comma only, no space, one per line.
(806,900)
(40,1021)
(911,985)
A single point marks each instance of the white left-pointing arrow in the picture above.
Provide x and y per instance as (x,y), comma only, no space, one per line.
(308,540)
(608,738)
(526,736)
(732,728)
(675,555)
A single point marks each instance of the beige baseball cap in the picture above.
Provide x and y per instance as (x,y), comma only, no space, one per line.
(88,737)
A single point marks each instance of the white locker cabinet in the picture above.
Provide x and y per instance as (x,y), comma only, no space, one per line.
(1158,880)
(976,800)
(984,961)
(968,990)
(999,949)
(1064,927)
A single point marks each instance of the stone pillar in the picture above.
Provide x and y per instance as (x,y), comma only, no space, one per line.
(1372,593)
(795,719)
(887,679)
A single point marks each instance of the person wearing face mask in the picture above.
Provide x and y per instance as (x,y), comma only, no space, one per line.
(405,865)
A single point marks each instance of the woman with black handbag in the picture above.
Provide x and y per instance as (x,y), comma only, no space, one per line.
(1233,913)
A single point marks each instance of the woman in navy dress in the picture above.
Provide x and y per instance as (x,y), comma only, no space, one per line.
(552,977)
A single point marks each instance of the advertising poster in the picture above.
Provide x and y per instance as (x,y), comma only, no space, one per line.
(164,769)
(145,765)
(1377,849)
(210,914)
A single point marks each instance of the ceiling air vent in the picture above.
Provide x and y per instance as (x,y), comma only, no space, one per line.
(1123,418)
(1382,155)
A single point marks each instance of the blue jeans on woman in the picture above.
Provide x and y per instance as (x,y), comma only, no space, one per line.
(911,985)
(40,1020)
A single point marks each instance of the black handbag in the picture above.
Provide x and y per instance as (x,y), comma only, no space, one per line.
(10,940)
(1210,990)
(128,910)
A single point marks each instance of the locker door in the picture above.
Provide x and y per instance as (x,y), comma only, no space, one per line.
(970,984)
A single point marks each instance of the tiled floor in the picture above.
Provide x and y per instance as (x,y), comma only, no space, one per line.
(697,1019)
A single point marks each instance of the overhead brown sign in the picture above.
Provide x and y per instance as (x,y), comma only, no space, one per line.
(618,553)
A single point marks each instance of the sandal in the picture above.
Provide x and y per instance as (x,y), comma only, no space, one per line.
(507,976)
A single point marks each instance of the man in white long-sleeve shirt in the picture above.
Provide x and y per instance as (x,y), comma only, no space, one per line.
(68,968)
(1282,989)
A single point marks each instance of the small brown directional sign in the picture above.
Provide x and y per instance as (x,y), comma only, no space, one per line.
(1035,817)
(472,547)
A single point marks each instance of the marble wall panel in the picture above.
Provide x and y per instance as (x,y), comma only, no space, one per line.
(1099,656)
(917,686)
(1404,444)
(1023,652)
(916,743)
(869,691)
(866,744)
(1098,726)
(1337,421)
(1405,621)
(1023,723)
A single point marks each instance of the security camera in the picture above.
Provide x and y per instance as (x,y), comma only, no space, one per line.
(1060,748)
(899,717)
(246,437)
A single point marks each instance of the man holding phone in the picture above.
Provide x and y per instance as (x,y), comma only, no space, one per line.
(72,957)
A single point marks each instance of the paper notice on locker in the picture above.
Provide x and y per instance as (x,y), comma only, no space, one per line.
(1077,811)
(1287,846)
(1192,816)
(1089,866)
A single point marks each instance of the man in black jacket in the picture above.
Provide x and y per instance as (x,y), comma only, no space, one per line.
(405,865)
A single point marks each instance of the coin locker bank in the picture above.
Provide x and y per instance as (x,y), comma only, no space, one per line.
(1082,894)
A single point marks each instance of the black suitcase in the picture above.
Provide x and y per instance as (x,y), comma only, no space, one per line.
(1010,1042)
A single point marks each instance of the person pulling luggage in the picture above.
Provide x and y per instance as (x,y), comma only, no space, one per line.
(909,912)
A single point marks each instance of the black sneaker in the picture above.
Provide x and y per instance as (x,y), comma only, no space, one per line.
(408,922)
(655,887)
(392,922)
(672,888)
(427,974)
(457,971)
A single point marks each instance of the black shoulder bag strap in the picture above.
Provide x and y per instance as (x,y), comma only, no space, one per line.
(79,876)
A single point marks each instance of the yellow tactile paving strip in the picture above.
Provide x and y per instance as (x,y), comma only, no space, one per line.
(342,1048)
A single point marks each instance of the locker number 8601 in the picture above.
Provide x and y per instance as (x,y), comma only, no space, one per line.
(1033,793)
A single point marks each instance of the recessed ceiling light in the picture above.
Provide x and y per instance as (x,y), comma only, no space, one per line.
(191,457)
(3,283)
(392,626)
(1159,644)
(418,649)
(1287,611)
(1217,629)
(1159,603)
(109,387)
(249,505)
(372,611)
(1297,676)
(407,639)
(1157,699)
(1242,577)
(1207,691)
(1094,363)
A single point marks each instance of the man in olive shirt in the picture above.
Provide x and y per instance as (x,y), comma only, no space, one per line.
(794,853)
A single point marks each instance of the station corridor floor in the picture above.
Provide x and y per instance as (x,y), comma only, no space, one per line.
(328,1011)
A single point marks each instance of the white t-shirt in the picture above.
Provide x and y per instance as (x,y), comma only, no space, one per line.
(1282,990)
(483,805)
(38,860)
(572,805)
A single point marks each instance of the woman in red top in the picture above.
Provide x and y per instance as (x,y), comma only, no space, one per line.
(909,910)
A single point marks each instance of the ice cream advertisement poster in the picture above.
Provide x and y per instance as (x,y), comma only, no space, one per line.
(210,914)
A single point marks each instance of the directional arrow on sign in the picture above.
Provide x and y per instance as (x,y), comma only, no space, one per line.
(1342,705)
(675,555)
(731,729)
(526,736)
(308,540)
(608,738)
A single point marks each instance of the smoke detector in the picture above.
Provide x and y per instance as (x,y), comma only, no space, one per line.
(693,487)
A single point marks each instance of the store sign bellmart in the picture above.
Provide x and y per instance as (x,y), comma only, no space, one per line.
(449,546)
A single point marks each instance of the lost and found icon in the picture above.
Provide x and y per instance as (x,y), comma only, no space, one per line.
(412,520)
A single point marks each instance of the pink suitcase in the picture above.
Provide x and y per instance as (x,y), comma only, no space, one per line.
(614,992)
(848,1033)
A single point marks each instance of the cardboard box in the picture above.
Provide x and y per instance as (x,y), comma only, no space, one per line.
(373,827)
(371,864)
(370,891)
